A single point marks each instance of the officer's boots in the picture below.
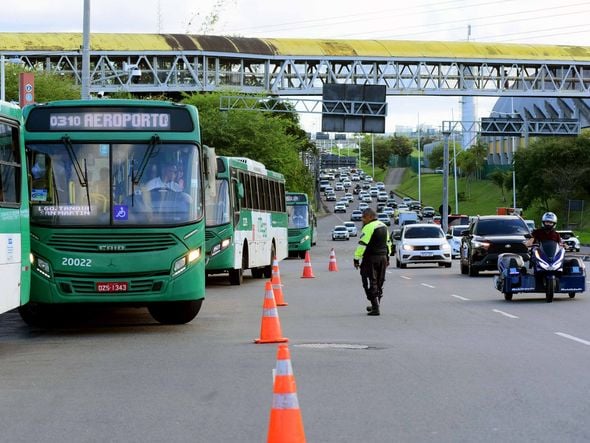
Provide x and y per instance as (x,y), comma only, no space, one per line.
(374,307)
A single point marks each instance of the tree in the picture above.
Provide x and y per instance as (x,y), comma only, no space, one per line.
(436,157)
(269,138)
(501,179)
(553,167)
(48,85)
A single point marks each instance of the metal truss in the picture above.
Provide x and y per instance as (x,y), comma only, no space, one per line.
(193,71)
(514,127)
(311,106)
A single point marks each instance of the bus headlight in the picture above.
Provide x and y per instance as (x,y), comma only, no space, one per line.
(220,247)
(181,264)
(304,239)
(41,266)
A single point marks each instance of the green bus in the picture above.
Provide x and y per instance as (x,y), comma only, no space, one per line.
(117,215)
(14,211)
(302,224)
(246,219)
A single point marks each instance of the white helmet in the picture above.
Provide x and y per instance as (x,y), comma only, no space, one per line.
(549,217)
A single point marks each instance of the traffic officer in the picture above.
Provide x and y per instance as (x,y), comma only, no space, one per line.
(372,257)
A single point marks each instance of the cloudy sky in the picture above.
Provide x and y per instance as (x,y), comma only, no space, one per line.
(563,22)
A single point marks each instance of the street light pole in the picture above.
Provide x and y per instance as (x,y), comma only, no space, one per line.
(86,52)
(419,164)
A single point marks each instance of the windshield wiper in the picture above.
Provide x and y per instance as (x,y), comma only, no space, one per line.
(81,174)
(136,178)
(146,158)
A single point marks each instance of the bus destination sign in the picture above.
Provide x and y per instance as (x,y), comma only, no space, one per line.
(295,198)
(111,118)
(109,121)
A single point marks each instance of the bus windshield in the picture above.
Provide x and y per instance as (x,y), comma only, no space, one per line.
(298,216)
(218,207)
(102,184)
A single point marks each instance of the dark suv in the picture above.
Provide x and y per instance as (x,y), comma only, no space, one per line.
(490,236)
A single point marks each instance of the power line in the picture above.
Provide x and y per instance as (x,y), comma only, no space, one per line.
(331,21)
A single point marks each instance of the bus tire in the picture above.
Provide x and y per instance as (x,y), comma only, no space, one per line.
(236,277)
(267,270)
(34,314)
(175,313)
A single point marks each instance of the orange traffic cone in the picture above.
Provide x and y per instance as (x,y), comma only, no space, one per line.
(270,327)
(307,271)
(332,266)
(286,424)
(277,286)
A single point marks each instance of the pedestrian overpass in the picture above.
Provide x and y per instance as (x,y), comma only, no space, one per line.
(174,63)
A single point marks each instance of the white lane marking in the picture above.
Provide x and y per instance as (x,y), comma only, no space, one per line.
(405,278)
(460,298)
(571,337)
(428,286)
(506,314)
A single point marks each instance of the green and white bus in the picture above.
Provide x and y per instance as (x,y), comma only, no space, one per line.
(117,207)
(14,211)
(302,224)
(246,220)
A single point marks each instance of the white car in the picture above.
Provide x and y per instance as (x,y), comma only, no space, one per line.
(340,232)
(352,229)
(422,243)
(363,206)
(455,240)
(570,241)
(339,207)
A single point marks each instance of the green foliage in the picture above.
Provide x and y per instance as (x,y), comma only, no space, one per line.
(274,139)
(48,85)
(385,147)
(553,168)
(436,157)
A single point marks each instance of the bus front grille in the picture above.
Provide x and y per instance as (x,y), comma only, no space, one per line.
(112,242)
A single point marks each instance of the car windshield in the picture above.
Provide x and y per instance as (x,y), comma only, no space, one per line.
(424,232)
(565,234)
(501,227)
(340,228)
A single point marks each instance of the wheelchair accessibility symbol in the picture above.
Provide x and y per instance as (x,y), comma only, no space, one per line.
(120,212)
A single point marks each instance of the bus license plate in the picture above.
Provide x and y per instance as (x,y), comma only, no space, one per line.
(112,286)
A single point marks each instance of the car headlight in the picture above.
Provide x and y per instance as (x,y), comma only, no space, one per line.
(406,247)
(480,244)
(220,246)
(445,247)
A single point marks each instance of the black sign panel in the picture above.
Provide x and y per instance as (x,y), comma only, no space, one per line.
(346,108)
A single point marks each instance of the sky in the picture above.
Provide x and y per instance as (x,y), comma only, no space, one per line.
(563,22)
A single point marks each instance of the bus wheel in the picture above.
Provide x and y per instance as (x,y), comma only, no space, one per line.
(175,313)
(268,269)
(34,314)
(236,277)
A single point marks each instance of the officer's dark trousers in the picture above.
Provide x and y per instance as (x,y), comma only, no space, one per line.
(373,276)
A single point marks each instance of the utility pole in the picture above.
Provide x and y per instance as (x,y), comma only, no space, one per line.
(86,52)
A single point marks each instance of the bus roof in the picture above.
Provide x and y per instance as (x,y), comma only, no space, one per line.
(10,110)
(248,164)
